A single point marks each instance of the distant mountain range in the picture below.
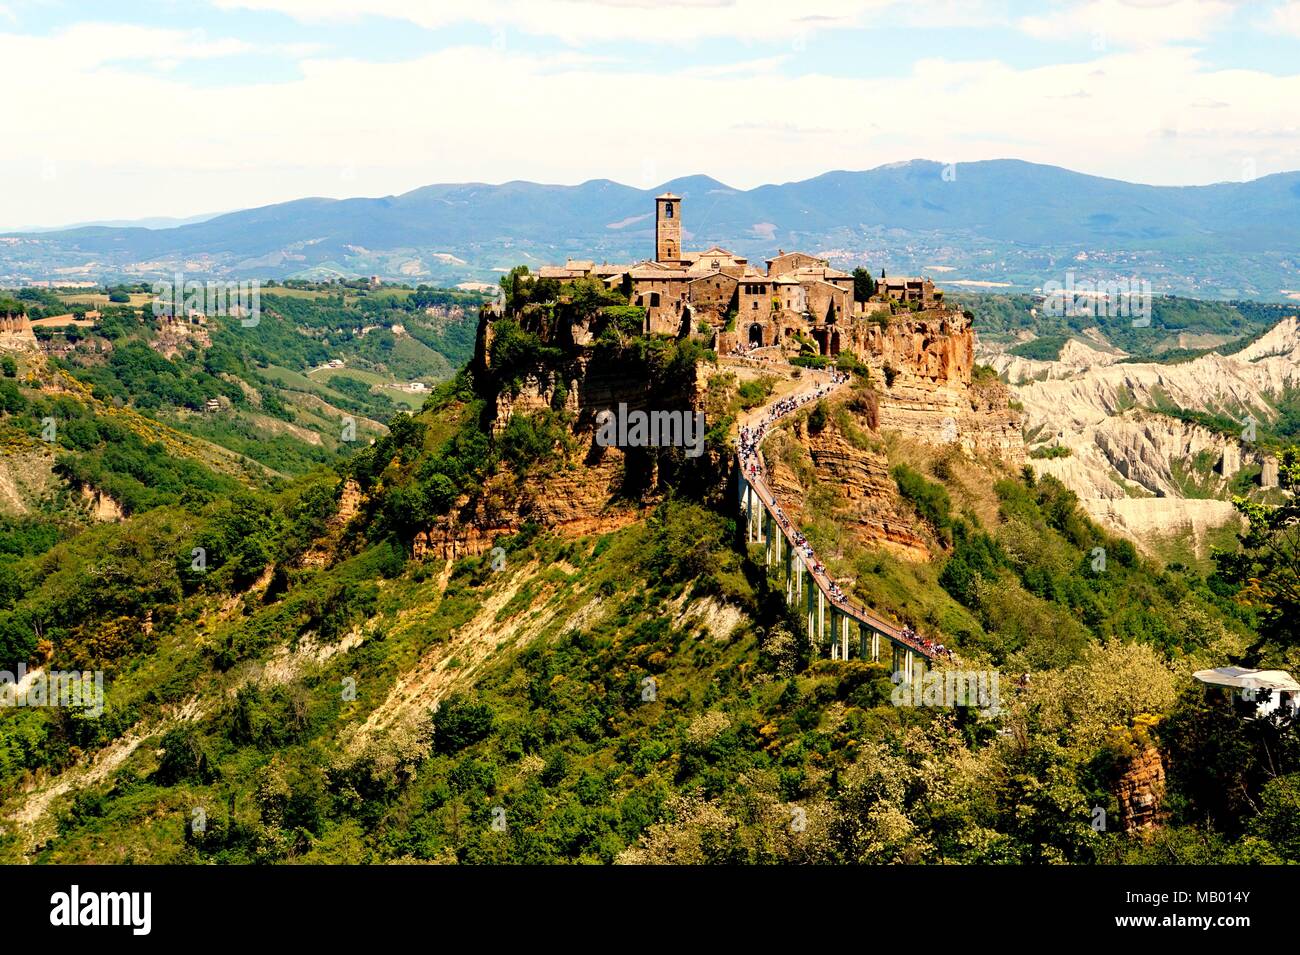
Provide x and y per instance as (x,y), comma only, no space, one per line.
(986,224)
(155,222)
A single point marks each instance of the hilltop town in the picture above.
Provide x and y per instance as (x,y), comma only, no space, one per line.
(796,300)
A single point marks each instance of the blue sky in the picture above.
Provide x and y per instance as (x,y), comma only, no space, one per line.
(134,109)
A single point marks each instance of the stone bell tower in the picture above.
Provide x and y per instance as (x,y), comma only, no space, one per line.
(668,228)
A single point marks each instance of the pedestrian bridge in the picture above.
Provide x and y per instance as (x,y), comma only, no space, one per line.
(835,624)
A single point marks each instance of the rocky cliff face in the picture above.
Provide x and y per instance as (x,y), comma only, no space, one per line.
(350,500)
(99,505)
(875,514)
(1075,357)
(1144,520)
(1141,791)
(922,364)
(925,364)
(1149,474)
(1143,454)
(589,489)
(937,346)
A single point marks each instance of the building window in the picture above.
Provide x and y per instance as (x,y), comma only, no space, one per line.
(654,299)
(668,210)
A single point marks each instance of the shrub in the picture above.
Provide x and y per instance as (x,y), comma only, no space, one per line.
(810,361)
(458,723)
(817,418)
(1050,451)
(930,500)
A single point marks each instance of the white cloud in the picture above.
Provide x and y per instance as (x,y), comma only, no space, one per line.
(1130,23)
(86,47)
(764,65)
(1285,17)
(127,143)
(581,21)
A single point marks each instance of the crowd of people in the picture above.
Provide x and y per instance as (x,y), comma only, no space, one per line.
(934,649)
(751,437)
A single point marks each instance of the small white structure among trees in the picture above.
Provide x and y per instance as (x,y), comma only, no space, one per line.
(1256,693)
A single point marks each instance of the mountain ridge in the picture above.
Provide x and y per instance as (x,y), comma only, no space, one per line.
(1221,239)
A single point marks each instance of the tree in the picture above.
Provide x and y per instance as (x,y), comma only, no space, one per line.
(11,400)
(864,286)
(1266,571)
(1278,821)
(459,722)
(9,366)
(183,758)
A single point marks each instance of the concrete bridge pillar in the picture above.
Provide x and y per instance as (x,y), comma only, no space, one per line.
(821,616)
(810,607)
(787,571)
(749,513)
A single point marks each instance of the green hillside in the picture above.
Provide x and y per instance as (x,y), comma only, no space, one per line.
(314,694)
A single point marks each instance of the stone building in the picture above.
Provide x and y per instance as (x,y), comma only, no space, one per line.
(797,299)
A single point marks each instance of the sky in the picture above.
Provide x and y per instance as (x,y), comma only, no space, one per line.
(127,110)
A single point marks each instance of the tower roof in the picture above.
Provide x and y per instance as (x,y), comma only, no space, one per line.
(668,195)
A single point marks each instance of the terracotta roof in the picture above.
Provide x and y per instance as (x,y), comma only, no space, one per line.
(654,270)
(788,255)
